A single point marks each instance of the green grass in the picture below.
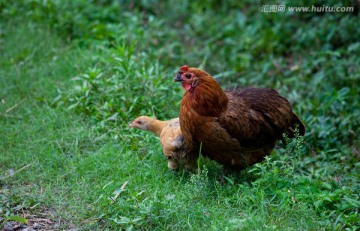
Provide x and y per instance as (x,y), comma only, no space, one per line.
(73,75)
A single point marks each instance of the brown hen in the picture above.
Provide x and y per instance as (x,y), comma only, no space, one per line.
(235,128)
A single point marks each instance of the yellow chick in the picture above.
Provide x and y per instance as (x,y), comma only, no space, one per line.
(171,139)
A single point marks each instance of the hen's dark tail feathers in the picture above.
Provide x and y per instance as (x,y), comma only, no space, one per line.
(296,123)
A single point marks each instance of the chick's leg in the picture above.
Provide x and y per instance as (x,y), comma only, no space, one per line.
(190,164)
(173,164)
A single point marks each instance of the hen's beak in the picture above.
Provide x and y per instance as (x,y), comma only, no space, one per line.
(131,125)
(178,78)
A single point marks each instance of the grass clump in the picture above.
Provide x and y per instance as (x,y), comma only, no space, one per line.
(110,90)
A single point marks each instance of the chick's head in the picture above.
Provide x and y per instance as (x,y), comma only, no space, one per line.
(141,123)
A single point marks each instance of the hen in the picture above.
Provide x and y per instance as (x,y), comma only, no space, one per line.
(235,128)
(170,135)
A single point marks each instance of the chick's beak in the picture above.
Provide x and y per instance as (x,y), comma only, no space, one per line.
(131,125)
(178,78)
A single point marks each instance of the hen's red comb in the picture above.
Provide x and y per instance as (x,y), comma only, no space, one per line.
(184,68)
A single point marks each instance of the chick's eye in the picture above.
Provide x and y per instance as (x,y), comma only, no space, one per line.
(139,122)
(188,76)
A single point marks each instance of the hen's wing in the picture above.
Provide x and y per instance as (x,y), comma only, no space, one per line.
(256,117)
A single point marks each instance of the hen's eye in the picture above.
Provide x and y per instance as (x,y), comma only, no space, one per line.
(139,122)
(188,75)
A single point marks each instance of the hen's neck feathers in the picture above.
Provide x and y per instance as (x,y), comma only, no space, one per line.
(207,98)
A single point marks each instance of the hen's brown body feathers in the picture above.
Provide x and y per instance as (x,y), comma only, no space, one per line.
(235,128)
